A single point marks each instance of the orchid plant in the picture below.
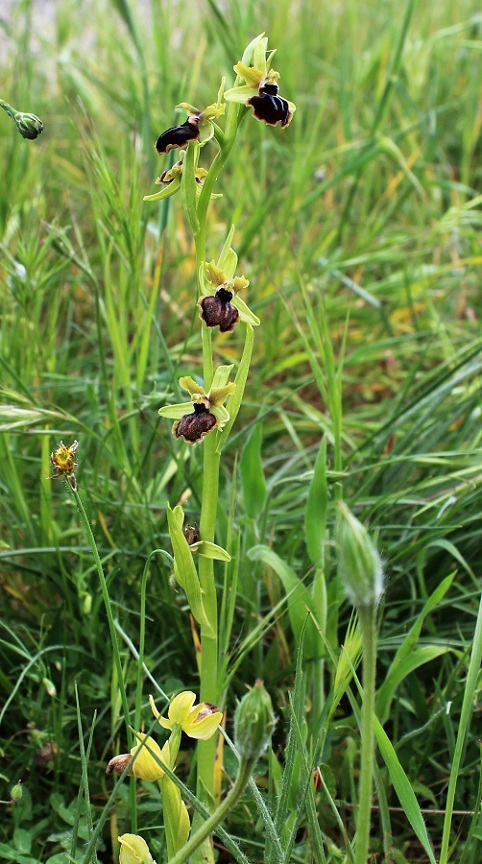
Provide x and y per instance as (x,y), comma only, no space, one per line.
(205,420)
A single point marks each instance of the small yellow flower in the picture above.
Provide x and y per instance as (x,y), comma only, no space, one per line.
(134,850)
(197,721)
(145,766)
(65,462)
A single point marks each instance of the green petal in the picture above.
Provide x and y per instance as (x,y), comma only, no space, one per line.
(215,275)
(253,76)
(189,384)
(218,395)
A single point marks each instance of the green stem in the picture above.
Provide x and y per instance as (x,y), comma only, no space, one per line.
(209,641)
(367,618)
(8,108)
(209,664)
(107,603)
(245,770)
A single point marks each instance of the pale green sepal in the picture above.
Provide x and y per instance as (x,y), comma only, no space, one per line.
(239,94)
(240,381)
(188,186)
(248,54)
(226,250)
(221,377)
(228,262)
(184,568)
(175,412)
(211,550)
(166,192)
(247,316)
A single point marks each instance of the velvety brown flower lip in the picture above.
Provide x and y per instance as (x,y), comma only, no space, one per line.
(270,107)
(118,763)
(218,311)
(178,136)
(192,427)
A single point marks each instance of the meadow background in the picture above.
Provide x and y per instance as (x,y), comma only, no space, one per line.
(359,228)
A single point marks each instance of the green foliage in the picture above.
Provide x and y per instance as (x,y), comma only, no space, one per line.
(359,229)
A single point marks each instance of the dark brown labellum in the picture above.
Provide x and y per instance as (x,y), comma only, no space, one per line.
(191,533)
(218,311)
(192,427)
(118,764)
(269,89)
(178,136)
(269,107)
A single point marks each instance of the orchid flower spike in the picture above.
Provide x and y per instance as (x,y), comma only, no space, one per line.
(205,412)
(260,90)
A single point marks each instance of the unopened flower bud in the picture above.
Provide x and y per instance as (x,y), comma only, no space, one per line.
(134,850)
(254,722)
(16,791)
(359,564)
(29,125)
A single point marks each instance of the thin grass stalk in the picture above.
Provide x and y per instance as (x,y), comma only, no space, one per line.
(107,603)
(462,732)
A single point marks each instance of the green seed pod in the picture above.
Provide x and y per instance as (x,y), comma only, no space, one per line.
(359,564)
(254,722)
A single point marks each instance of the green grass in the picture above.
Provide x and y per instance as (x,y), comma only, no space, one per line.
(359,229)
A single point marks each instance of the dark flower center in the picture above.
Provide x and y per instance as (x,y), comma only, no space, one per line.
(218,311)
(192,427)
(270,107)
(178,136)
